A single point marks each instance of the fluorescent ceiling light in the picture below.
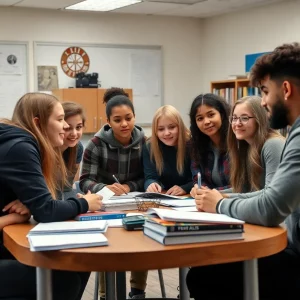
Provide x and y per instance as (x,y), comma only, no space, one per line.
(102,5)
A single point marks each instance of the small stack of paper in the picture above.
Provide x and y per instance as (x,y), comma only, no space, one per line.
(65,235)
(120,204)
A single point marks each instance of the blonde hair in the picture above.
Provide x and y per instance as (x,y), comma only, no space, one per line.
(39,105)
(245,160)
(172,113)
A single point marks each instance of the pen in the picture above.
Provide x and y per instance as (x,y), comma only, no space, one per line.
(199,180)
(117,181)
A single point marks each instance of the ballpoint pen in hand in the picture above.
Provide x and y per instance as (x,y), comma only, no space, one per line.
(117,181)
(199,179)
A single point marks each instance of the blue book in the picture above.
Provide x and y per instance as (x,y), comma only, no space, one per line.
(90,216)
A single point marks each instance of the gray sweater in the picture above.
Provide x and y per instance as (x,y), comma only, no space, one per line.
(270,159)
(280,199)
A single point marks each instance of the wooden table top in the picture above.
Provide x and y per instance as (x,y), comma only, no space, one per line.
(132,250)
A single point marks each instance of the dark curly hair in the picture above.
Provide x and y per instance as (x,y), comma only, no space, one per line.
(113,91)
(200,141)
(281,64)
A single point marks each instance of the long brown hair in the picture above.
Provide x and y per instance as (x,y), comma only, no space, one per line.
(245,161)
(172,113)
(73,109)
(39,105)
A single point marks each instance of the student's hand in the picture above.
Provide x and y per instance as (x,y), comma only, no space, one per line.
(78,195)
(206,199)
(176,191)
(154,188)
(17,218)
(93,200)
(16,206)
(194,190)
(118,189)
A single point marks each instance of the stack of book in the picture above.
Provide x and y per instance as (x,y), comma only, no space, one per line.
(170,227)
(65,235)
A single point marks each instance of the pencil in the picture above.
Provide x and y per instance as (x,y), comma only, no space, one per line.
(117,181)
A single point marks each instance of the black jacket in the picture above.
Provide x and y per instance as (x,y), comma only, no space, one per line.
(21,178)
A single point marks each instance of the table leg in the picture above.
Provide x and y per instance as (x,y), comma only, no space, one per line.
(121,285)
(184,292)
(43,284)
(110,282)
(251,280)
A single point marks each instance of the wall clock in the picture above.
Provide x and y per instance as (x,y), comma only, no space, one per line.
(74,60)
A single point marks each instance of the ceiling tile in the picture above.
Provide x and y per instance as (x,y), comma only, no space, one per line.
(149,8)
(8,2)
(202,9)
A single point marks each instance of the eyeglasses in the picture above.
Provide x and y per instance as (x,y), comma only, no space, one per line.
(243,119)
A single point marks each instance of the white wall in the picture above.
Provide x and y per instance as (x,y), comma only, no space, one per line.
(180,38)
(227,38)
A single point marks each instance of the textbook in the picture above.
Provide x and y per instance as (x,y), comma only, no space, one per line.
(186,216)
(188,239)
(66,241)
(68,227)
(168,228)
(100,215)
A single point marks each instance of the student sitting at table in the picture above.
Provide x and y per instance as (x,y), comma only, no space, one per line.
(166,156)
(278,75)
(209,117)
(31,169)
(72,149)
(117,150)
(254,150)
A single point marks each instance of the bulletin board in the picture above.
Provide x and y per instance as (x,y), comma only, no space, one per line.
(13,75)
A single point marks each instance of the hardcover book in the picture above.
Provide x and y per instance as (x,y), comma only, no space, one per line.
(169,228)
(188,239)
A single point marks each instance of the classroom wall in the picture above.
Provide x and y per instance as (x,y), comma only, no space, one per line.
(227,38)
(180,38)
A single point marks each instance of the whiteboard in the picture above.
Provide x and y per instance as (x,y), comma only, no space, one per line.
(135,67)
(13,75)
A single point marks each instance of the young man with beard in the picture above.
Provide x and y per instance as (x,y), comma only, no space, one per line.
(278,76)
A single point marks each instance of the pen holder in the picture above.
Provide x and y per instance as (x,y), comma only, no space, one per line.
(143,204)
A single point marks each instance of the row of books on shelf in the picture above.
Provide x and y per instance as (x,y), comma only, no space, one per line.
(229,93)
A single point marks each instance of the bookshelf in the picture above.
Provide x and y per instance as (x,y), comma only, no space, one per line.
(233,89)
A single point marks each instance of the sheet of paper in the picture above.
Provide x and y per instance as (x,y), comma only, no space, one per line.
(187,208)
(115,223)
(68,226)
(178,203)
(106,193)
(180,216)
